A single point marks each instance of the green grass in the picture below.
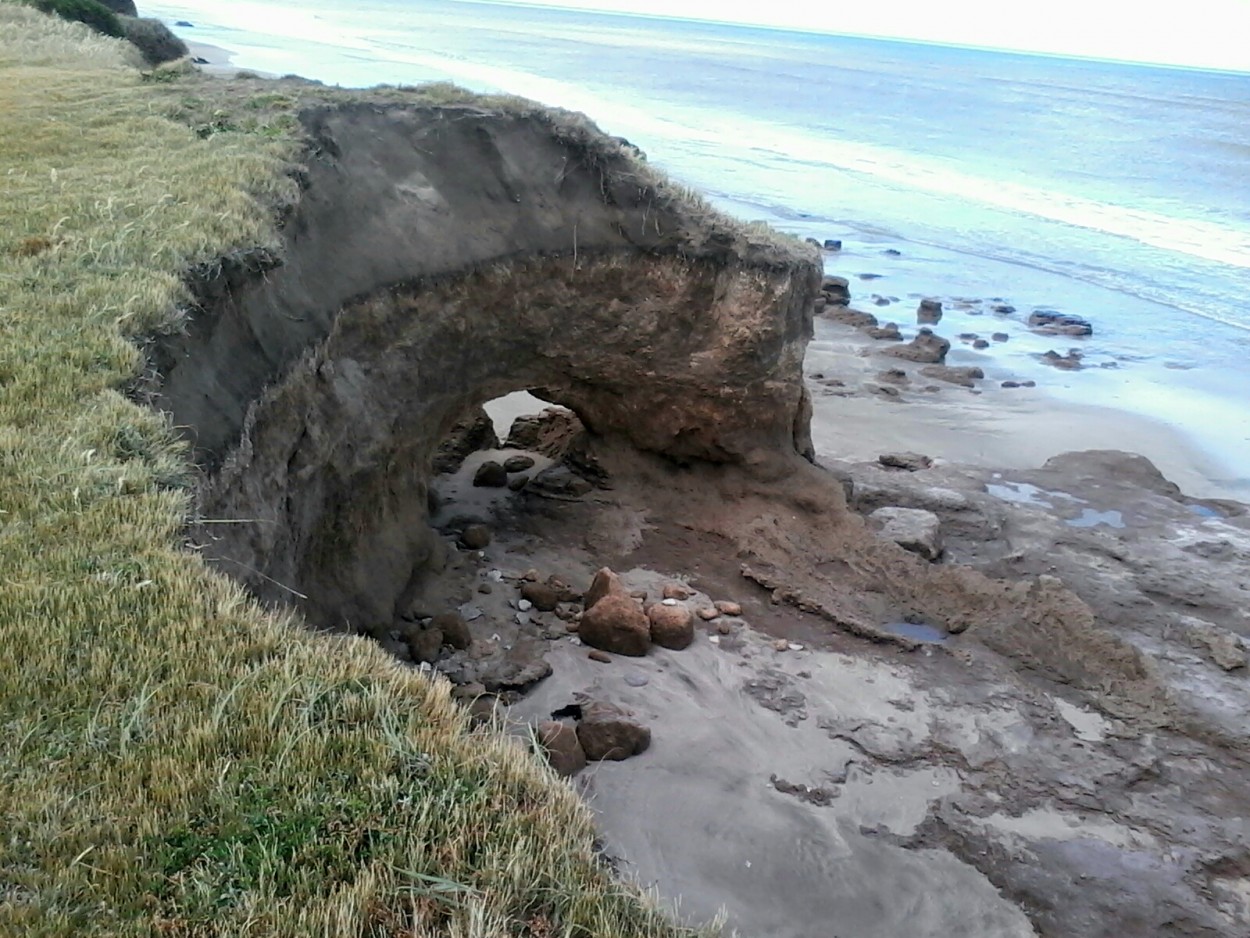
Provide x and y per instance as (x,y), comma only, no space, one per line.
(177,761)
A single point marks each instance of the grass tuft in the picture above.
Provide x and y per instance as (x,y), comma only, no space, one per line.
(178,761)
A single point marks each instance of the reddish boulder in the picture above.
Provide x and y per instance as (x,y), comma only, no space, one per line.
(671,626)
(616,623)
(610,732)
(561,745)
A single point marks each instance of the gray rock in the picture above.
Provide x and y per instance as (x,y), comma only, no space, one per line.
(912,529)
(475,537)
(518,463)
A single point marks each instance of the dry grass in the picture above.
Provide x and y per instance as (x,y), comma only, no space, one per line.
(177,762)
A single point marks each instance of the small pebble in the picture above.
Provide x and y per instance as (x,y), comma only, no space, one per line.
(531,574)
(470,612)
(728,608)
(781,645)
(714,639)
(525,605)
(574,640)
(708,613)
(724,628)
(634,679)
(601,656)
(523,618)
(795,646)
(669,602)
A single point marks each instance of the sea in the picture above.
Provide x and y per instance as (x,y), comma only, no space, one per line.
(1117,192)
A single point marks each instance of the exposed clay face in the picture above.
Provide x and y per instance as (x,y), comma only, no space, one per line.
(441,257)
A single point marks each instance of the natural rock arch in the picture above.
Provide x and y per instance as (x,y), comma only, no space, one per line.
(440,257)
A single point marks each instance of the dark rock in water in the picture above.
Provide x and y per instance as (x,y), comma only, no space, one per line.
(473,433)
(980,343)
(1010,384)
(1028,384)
(198,60)
(833,244)
(1069,362)
(475,537)
(610,732)
(893,376)
(926,348)
(1000,337)
(892,252)
(911,462)
(518,463)
(964,377)
(929,311)
(869,276)
(563,750)
(490,474)
(1003,309)
(454,629)
(1049,322)
(616,623)
(881,301)
(812,241)
(184,24)
(967,336)
(851,317)
(887,333)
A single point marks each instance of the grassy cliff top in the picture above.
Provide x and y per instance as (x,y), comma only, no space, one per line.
(178,761)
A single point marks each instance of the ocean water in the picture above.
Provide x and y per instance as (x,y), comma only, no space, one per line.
(1113,191)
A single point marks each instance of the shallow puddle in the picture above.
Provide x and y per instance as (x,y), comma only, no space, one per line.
(916,631)
(1091,518)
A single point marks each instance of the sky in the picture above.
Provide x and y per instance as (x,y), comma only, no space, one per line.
(1198,33)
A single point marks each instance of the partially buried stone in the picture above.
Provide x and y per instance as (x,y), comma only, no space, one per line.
(544,596)
(912,529)
(911,462)
(601,656)
(561,745)
(490,474)
(708,613)
(517,483)
(675,591)
(424,644)
(475,537)
(725,607)
(610,732)
(518,463)
(454,629)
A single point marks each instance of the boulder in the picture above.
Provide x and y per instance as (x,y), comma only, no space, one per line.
(475,537)
(490,474)
(424,644)
(516,483)
(544,596)
(608,732)
(616,623)
(671,626)
(980,343)
(912,529)
(1003,309)
(563,750)
(836,290)
(964,377)
(929,311)
(911,462)
(548,433)
(833,244)
(604,582)
(926,348)
(518,463)
(469,435)
(1049,322)
(1000,337)
(455,631)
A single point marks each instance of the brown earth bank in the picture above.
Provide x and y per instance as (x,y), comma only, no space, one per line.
(1042,731)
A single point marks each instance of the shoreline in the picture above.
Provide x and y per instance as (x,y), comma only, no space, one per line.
(986,426)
